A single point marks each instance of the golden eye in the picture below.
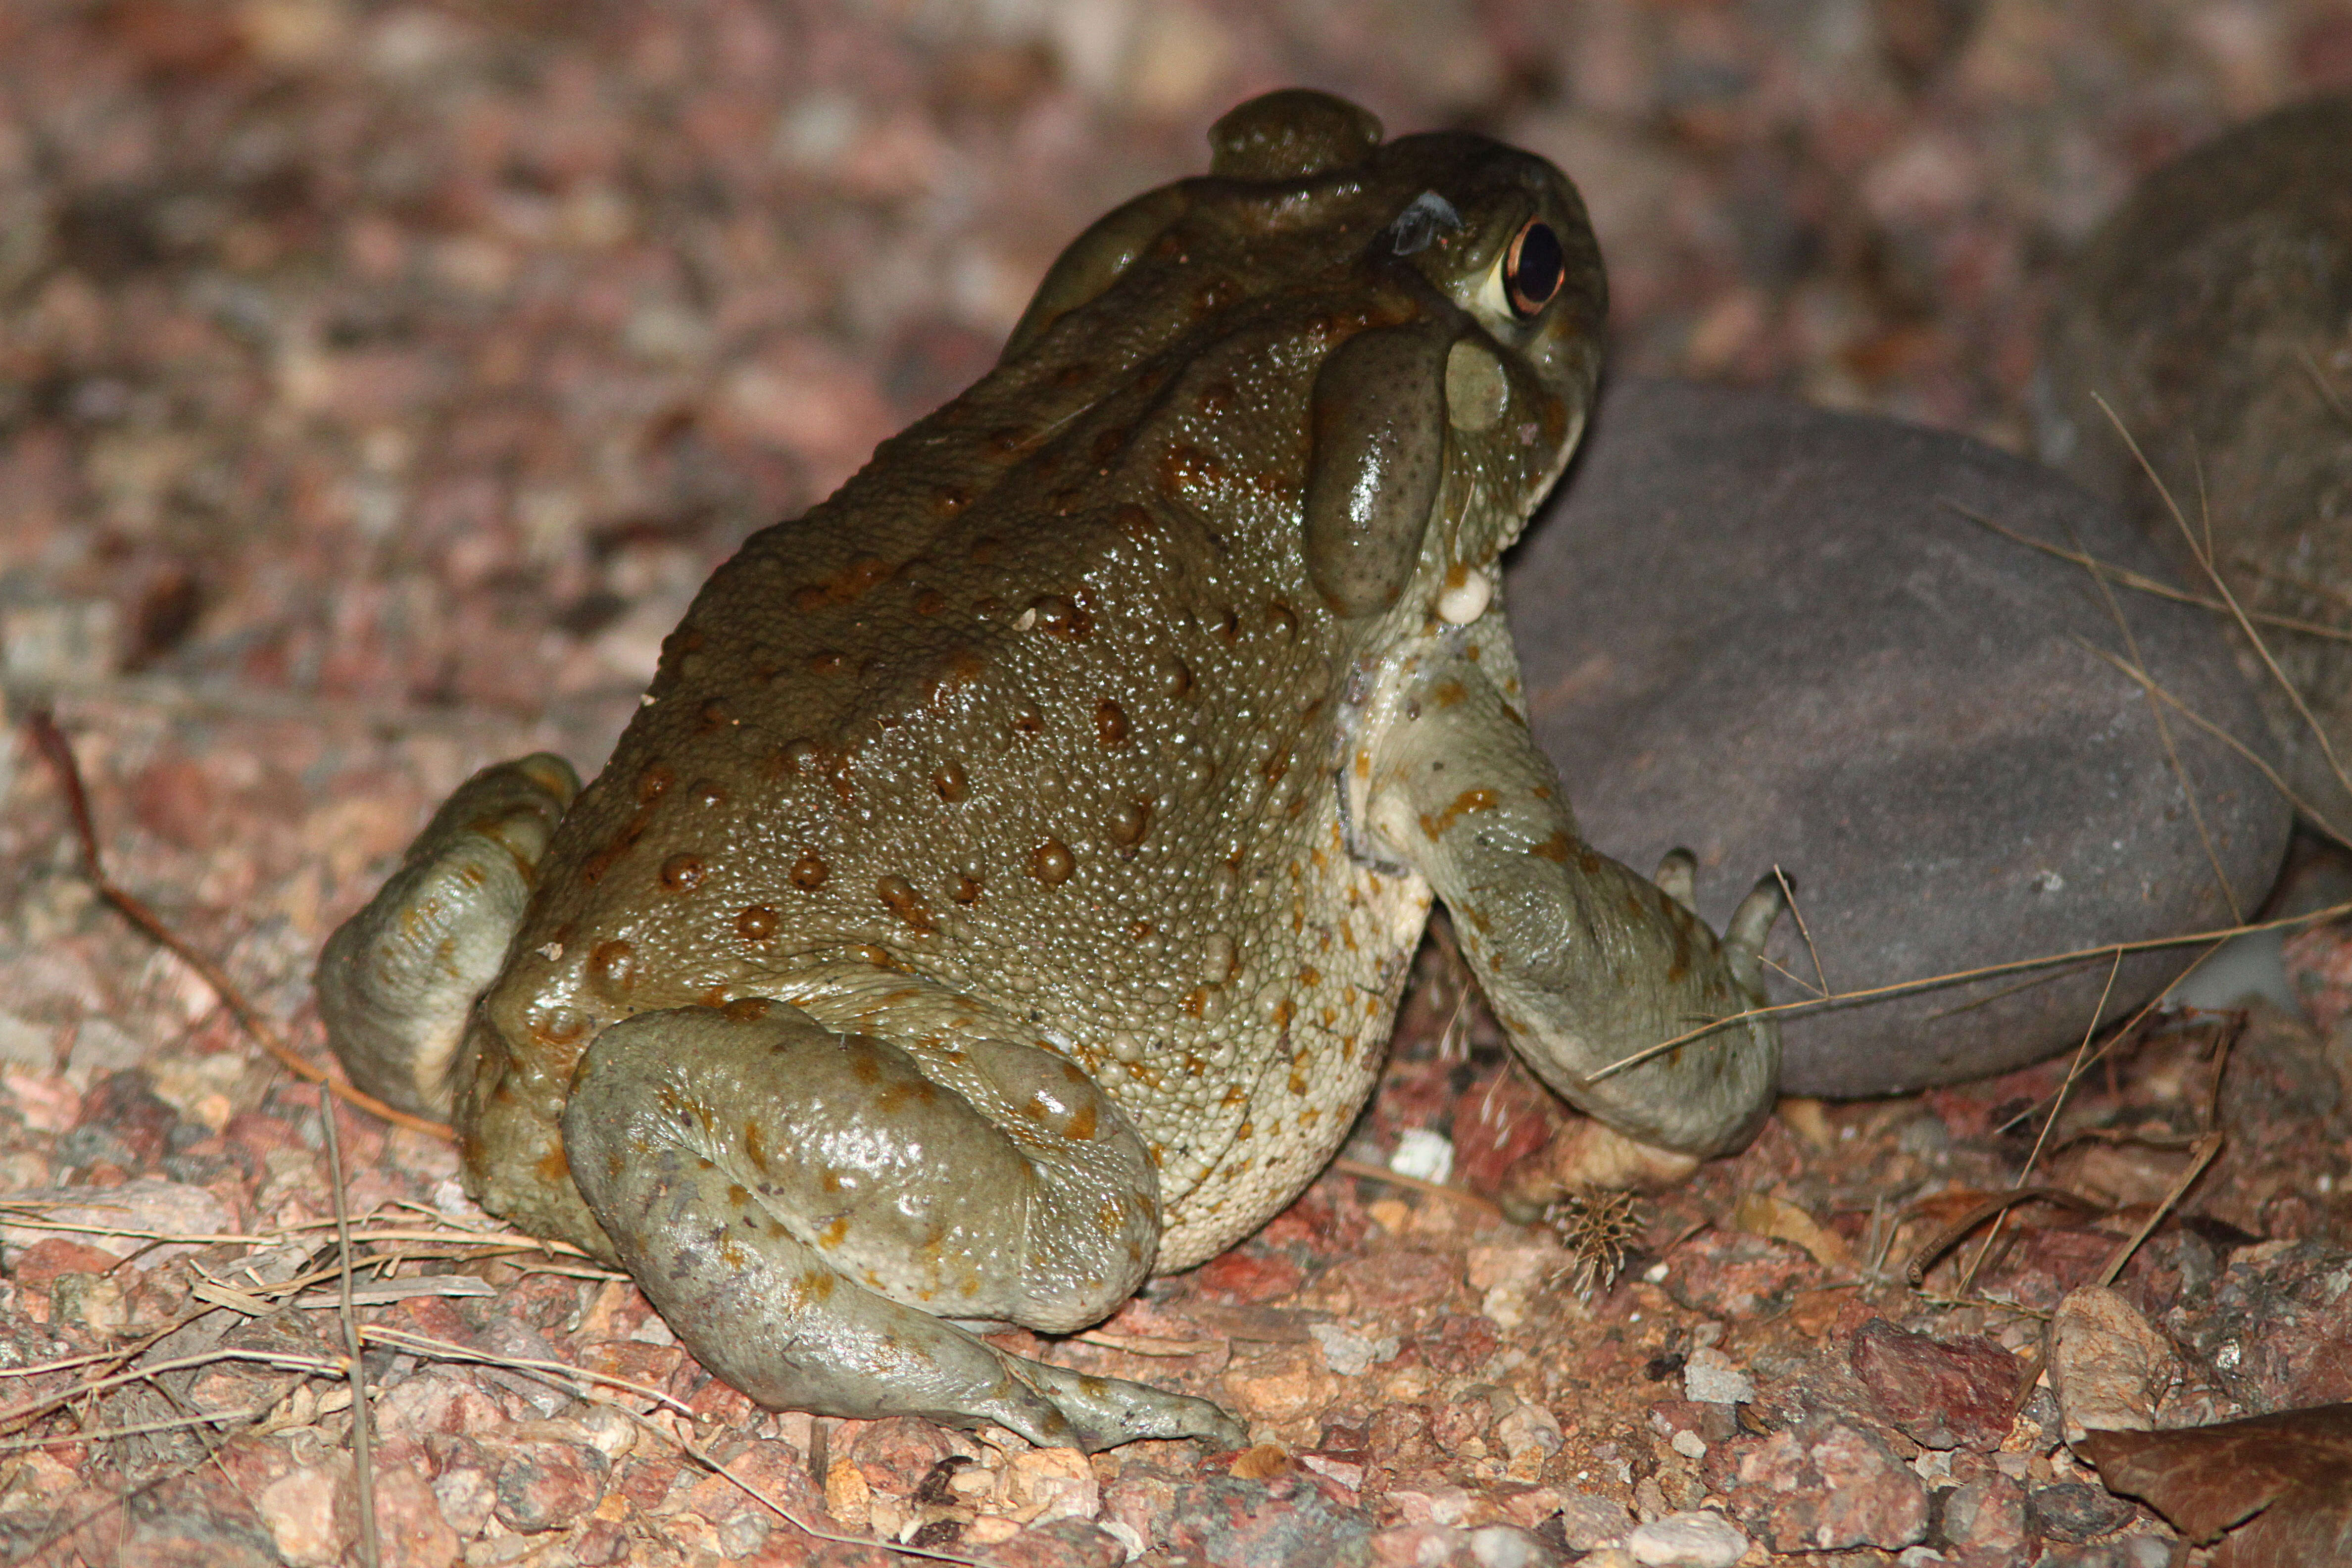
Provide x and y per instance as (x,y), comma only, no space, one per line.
(1533,269)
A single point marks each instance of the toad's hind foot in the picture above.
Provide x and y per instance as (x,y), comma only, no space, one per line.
(398,979)
(807,1208)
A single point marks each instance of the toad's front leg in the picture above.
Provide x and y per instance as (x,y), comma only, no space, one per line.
(808,1207)
(1584,961)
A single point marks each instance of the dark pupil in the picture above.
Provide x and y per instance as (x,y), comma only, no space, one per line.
(1532,273)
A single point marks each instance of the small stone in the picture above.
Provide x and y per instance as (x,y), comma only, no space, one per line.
(1733,1274)
(1824,1485)
(847,1496)
(1038,1486)
(1423,1155)
(2110,1367)
(1712,1377)
(1061,1543)
(2077,1511)
(2205,312)
(1507,1546)
(543,1485)
(1285,1520)
(1588,1519)
(1916,733)
(410,1526)
(1987,1516)
(1695,1539)
(1958,1393)
(1352,1355)
(299,1509)
(1287,1382)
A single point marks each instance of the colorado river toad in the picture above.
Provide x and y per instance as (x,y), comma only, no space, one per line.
(1005,888)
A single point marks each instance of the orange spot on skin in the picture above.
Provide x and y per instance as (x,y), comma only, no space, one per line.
(654,784)
(1554,849)
(1129,819)
(967,890)
(830,1236)
(1058,616)
(1110,725)
(1188,467)
(682,873)
(738,1194)
(757,922)
(555,1167)
(1469,800)
(809,872)
(1082,1125)
(951,782)
(899,895)
(1449,694)
(1051,863)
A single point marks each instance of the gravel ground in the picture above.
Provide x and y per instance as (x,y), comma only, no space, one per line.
(378,381)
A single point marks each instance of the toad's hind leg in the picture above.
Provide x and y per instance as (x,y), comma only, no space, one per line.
(397,981)
(807,1208)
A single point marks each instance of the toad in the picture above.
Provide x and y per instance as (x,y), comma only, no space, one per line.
(1004,889)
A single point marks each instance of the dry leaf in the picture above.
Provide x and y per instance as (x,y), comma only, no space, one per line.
(1761,1214)
(2281,1485)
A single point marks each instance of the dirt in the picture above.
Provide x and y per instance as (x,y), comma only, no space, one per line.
(376,383)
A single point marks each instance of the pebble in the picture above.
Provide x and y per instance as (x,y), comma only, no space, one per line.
(2206,311)
(2077,1511)
(2109,1367)
(1988,1517)
(1694,1539)
(1824,1485)
(1712,1377)
(1843,674)
(1960,1394)
(544,1484)
(1587,1520)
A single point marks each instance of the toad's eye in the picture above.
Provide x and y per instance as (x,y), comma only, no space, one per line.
(1533,269)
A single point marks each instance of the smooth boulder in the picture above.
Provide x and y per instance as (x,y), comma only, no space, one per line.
(2212,313)
(1774,635)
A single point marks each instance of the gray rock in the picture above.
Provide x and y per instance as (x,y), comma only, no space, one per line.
(1695,1539)
(1764,632)
(2213,312)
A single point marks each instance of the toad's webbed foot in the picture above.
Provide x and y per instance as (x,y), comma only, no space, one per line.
(398,979)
